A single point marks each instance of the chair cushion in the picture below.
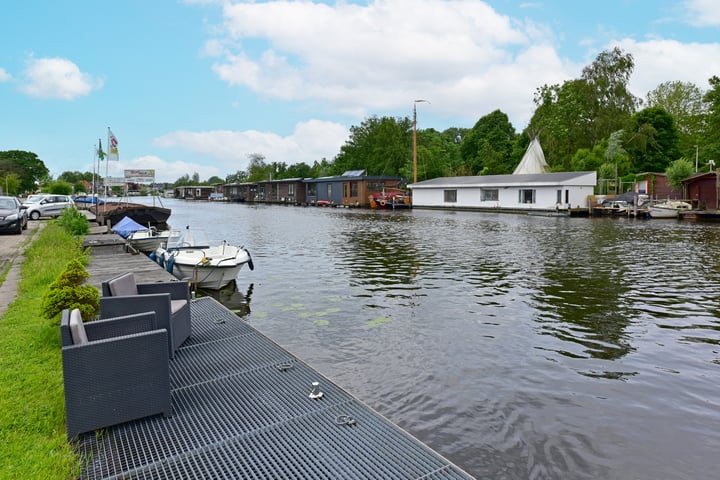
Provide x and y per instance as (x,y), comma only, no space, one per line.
(77,329)
(176,305)
(123,285)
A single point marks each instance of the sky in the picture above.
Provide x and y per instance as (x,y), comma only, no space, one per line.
(197,86)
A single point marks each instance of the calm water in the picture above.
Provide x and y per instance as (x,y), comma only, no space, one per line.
(518,347)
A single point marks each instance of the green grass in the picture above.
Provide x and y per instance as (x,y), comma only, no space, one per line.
(33,442)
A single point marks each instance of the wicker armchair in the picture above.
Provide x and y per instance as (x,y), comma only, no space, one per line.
(115,370)
(169,300)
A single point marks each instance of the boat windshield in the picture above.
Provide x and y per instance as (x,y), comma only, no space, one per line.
(187,238)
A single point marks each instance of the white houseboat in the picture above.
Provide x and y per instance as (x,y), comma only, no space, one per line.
(529,189)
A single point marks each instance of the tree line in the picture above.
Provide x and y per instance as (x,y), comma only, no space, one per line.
(590,123)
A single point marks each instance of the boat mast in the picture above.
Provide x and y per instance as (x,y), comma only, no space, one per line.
(415,138)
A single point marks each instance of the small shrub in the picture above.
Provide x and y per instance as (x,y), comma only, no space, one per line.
(68,291)
(73,221)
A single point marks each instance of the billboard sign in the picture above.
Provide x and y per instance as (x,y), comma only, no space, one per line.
(140,176)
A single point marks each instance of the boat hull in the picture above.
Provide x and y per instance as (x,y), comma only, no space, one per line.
(111,213)
(658,212)
(209,268)
(210,278)
(147,241)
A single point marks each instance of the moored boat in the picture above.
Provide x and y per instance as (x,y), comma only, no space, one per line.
(668,209)
(390,199)
(141,238)
(113,212)
(189,256)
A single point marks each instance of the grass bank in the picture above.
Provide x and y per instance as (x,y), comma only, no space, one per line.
(33,442)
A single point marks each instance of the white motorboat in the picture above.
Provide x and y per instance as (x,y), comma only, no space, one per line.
(189,256)
(668,209)
(148,240)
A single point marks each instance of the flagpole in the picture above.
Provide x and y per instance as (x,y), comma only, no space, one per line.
(107,160)
(92,190)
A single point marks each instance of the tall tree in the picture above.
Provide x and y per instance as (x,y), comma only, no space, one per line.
(684,101)
(581,113)
(487,148)
(26,165)
(381,146)
(710,143)
(652,140)
(611,101)
(257,168)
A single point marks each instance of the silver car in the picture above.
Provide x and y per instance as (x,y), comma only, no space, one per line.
(47,206)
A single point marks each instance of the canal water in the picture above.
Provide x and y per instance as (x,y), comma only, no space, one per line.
(519,347)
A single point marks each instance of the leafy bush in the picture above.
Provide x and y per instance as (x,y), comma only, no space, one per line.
(74,222)
(68,291)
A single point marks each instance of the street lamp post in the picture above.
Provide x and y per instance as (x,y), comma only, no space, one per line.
(415,138)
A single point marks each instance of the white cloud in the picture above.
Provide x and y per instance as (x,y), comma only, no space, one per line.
(361,59)
(703,13)
(4,76)
(310,141)
(57,78)
(659,61)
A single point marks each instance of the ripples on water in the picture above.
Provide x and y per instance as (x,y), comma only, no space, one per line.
(519,347)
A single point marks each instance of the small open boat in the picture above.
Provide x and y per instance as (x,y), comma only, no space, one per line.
(189,256)
(669,209)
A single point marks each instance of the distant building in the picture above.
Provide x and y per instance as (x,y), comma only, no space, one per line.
(193,192)
(702,189)
(657,187)
(353,188)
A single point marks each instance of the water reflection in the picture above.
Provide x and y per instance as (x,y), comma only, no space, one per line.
(232,297)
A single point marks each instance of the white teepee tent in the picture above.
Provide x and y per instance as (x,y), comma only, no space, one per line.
(533,161)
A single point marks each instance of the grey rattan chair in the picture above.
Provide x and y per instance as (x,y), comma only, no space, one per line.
(169,300)
(115,370)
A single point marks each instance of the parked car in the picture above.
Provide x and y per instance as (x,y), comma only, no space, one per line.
(12,216)
(47,206)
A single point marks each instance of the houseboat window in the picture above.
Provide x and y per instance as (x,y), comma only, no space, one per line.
(450,196)
(291,189)
(329,191)
(567,196)
(559,197)
(489,195)
(346,192)
(353,189)
(312,189)
(527,196)
(375,186)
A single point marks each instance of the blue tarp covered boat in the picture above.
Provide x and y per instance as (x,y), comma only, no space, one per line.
(127,226)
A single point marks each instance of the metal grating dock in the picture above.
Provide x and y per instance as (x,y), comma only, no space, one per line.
(241,409)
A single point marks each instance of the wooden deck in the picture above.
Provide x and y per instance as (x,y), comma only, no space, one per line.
(110,259)
(242,409)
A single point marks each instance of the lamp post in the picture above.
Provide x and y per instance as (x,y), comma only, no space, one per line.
(415,138)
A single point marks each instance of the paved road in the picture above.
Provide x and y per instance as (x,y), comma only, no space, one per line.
(12,248)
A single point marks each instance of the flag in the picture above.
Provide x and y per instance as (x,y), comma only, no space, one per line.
(113,154)
(99,151)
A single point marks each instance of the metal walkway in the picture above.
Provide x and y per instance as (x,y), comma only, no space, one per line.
(242,409)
